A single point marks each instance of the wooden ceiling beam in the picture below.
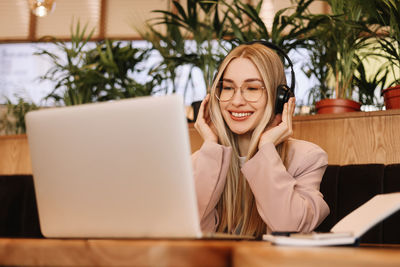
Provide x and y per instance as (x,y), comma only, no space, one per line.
(32,27)
(103,19)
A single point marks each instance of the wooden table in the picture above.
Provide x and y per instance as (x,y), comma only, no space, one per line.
(363,256)
(79,252)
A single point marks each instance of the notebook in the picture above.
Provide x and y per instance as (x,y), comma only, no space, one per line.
(349,229)
(118,169)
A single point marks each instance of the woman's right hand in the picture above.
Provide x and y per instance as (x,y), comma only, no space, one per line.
(204,125)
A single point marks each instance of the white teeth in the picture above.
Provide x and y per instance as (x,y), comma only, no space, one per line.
(237,114)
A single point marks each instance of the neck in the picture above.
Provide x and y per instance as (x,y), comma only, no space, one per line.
(244,143)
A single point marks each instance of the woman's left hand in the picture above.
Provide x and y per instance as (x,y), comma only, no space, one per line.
(281,127)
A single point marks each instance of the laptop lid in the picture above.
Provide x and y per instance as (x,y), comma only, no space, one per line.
(117,169)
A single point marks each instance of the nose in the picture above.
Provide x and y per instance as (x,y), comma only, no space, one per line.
(237,98)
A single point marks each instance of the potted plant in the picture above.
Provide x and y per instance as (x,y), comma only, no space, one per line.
(387,14)
(369,84)
(336,48)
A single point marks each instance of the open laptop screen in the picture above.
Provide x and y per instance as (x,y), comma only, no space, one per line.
(115,169)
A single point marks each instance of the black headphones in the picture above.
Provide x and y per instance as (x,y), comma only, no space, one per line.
(283,92)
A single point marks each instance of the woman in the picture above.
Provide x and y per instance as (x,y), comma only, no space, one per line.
(250,176)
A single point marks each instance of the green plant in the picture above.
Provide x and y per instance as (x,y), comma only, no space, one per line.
(93,72)
(369,85)
(318,67)
(347,34)
(337,48)
(213,27)
(386,13)
(13,119)
(190,38)
(291,28)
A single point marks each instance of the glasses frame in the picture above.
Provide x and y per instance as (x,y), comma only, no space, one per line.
(236,88)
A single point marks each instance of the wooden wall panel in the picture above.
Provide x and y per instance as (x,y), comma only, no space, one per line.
(352,138)
(359,138)
(14,155)
(195,139)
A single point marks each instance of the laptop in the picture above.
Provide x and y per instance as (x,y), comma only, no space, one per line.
(119,169)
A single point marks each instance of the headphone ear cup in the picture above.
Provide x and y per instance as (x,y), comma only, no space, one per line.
(283,93)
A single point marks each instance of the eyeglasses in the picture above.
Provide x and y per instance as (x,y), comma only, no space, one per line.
(251,91)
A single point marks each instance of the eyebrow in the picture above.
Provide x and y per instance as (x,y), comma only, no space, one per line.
(247,80)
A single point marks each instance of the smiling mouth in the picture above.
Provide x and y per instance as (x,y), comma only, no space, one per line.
(240,115)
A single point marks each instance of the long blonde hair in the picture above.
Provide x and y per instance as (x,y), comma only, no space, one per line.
(237,208)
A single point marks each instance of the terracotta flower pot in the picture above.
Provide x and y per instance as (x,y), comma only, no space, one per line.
(338,105)
(391,97)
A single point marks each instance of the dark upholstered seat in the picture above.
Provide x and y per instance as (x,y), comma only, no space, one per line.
(347,187)
(344,188)
(18,210)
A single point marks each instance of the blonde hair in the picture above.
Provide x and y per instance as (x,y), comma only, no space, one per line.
(237,208)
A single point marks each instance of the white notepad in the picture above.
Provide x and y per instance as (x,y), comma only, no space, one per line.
(349,229)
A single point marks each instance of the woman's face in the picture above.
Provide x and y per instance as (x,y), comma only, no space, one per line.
(241,115)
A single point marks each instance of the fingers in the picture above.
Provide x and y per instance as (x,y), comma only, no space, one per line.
(290,111)
(285,112)
(281,127)
(288,108)
(292,105)
(203,123)
(201,109)
(287,115)
(206,112)
(201,115)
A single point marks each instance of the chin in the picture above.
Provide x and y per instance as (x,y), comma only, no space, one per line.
(241,130)
(240,127)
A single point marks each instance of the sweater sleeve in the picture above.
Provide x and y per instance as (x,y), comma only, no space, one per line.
(210,167)
(288,199)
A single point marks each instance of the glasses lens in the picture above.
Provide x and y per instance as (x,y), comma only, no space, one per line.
(252,92)
(227,90)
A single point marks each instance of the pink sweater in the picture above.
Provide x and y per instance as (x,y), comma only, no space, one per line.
(287,199)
